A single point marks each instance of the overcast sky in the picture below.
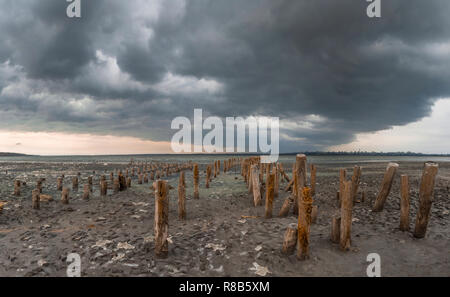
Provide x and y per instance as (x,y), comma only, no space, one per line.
(112,81)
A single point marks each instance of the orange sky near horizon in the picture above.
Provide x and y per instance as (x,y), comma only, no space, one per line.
(57,143)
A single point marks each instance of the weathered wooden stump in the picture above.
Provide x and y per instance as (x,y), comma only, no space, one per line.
(304,223)
(86,192)
(313,179)
(270,183)
(284,211)
(161,219)
(140,178)
(17,188)
(404,203)
(129,182)
(425,199)
(356,177)
(336,229)
(181,197)
(75,183)
(59,184)
(196,181)
(290,239)
(103,187)
(90,183)
(208,176)
(346,216)
(116,186)
(65,196)
(385,187)
(256,186)
(36,199)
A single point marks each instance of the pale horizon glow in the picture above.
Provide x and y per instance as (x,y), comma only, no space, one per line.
(430,135)
(56,143)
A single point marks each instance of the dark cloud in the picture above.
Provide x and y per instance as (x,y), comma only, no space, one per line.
(129,67)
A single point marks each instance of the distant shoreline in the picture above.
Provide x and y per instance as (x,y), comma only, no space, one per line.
(317,153)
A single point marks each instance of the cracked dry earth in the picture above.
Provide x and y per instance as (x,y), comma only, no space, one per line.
(223,235)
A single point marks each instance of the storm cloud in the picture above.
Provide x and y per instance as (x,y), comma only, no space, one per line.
(129,67)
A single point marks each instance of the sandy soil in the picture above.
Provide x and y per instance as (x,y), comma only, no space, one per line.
(114,234)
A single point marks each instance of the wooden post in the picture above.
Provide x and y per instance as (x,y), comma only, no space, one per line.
(342,179)
(270,183)
(290,239)
(196,180)
(17,188)
(304,223)
(39,185)
(346,216)
(75,183)
(425,199)
(35,199)
(103,187)
(336,229)
(161,219)
(65,196)
(145,178)
(218,167)
(181,197)
(250,180)
(140,178)
(116,186)
(276,184)
(404,203)
(111,177)
(208,175)
(300,181)
(356,177)
(122,182)
(284,211)
(385,187)
(129,182)
(91,188)
(313,179)
(59,184)
(256,185)
(86,192)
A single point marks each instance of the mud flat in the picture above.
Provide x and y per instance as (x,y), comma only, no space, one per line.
(223,234)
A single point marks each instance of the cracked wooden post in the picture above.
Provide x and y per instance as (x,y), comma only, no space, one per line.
(342,179)
(116,186)
(17,188)
(346,216)
(250,180)
(182,197)
(425,199)
(75,183)
(91,188)
(86,192)
(256,186)
(284,211)
(103,186)
(290,239)
(215,169)
(300,182)
(39,185)
(404,203)
(336,229)
(65,196)
(270,183)
(313,179)
(122,182)
(196,181)
(276,183)
(161,219)
(59,184)
(218,167)
(304,223)
(385,187)
(356,177)
(208,176)
(36,199)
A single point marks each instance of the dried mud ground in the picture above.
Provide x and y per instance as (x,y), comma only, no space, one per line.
(114,234)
